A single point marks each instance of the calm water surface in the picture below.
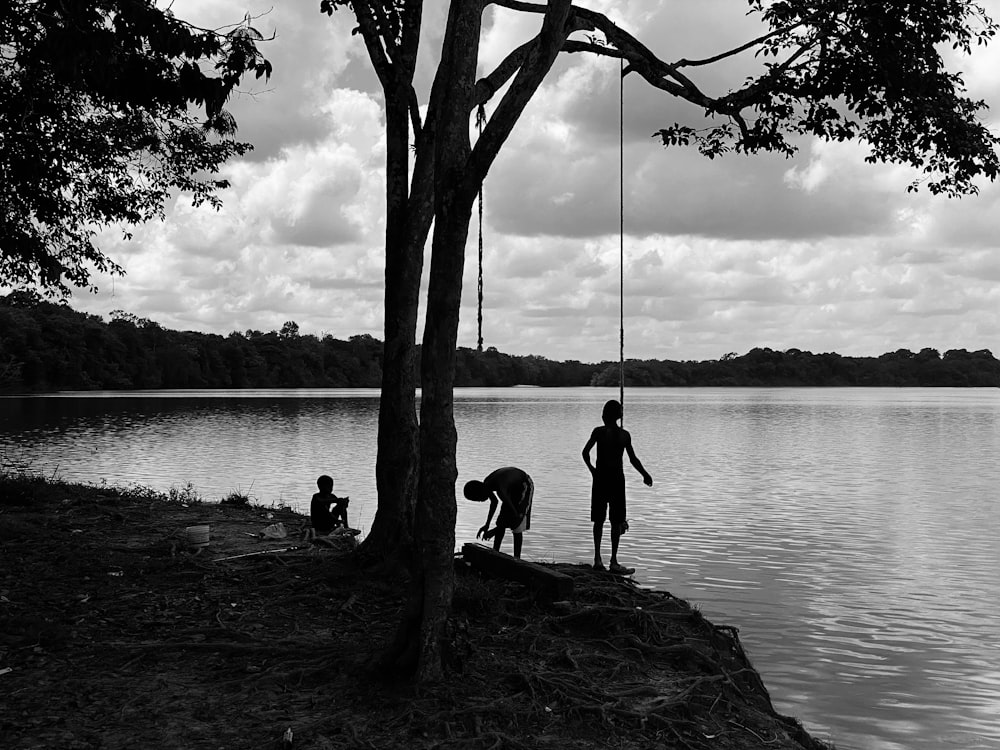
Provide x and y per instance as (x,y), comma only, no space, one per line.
(851,534)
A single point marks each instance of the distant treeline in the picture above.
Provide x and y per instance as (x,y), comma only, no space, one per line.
(47,346)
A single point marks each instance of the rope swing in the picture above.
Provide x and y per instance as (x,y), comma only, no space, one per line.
(621,236)
(480,121)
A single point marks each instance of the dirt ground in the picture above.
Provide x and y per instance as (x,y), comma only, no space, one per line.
(115,633)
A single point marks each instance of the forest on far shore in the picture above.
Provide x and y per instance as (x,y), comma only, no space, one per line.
(46,346)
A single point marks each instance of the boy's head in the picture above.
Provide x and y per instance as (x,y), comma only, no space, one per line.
(476,490)
(325,484)
(612,412)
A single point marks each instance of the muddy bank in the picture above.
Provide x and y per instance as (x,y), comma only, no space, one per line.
(116,633)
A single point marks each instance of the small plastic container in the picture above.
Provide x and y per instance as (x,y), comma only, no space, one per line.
(197,536)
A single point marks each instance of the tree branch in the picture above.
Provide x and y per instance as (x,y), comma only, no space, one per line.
(573,45)
(684,62)
(518,5)
(409,46)
(736,101)
(538,56)
(387,26)
(487,86)
(641,59)
(378,54)
(879,63)
(658,73)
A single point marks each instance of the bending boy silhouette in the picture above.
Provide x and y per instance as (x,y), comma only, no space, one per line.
(608,490)
(513,489)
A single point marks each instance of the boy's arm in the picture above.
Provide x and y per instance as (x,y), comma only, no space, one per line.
(489,517)
(586,450)
(646,478)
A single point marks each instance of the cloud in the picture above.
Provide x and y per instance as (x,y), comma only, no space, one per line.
(309,58)
(821,252)
(292,229)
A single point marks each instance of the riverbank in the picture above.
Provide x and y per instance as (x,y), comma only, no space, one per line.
(116,633)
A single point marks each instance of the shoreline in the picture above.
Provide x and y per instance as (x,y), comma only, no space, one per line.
(116,633)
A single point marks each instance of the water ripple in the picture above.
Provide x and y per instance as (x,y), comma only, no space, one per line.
(851,534)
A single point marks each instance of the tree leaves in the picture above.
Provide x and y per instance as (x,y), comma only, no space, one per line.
(867,70)
(97,126)
(872,71)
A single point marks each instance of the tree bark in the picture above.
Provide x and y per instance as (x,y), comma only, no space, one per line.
(396,466)
(454,194)
(409,212)
(458,173)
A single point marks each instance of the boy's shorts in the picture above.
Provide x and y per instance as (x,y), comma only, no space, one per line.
(518,518)
(608,494)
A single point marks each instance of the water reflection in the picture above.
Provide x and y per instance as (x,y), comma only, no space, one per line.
(271,447)
(850,534)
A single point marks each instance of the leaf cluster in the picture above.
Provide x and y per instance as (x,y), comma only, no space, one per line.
(99,125)
(867,70)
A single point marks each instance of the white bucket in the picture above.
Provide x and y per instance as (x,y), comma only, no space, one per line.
(197,536)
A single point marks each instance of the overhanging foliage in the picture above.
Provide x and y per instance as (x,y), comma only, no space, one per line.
(97,126)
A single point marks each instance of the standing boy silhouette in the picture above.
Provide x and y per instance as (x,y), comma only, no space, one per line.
(607,496)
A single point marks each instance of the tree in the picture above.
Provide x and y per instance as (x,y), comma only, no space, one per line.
(828,69)
(289,330)
(96,130)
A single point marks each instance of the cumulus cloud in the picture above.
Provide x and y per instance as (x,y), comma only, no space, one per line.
(821,252)
(294,231)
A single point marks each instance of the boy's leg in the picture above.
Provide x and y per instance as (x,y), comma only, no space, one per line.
(518,539)
(616,514)
(614,566)
(499,531)
(615,539)
(598,534)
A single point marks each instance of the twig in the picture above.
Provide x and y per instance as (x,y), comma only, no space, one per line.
(261,552)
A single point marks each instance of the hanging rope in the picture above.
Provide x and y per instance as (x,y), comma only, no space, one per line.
(480,121)
(621,235)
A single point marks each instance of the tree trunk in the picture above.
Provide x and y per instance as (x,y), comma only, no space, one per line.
(409,212)
(418,644)
(396,466)
(419,641)
(458,173)
(436,504)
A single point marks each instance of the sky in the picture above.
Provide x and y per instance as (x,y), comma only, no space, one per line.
(820,252)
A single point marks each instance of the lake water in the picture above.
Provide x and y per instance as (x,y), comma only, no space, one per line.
(853,535)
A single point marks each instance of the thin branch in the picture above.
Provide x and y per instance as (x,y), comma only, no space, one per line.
(685,63)
(738,100)
(221,31)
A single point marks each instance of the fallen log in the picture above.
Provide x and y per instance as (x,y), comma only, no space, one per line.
(549,583)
